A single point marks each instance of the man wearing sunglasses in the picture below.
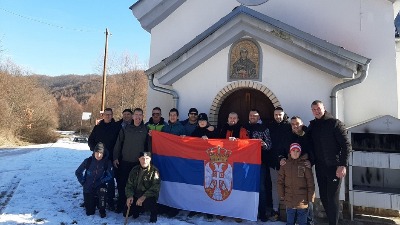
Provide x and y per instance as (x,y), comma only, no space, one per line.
(156,121)
(191,122)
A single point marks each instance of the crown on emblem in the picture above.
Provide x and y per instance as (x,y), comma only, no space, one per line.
(218,154)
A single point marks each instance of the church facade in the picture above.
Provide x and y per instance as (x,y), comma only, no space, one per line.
(230,55)
(237,55)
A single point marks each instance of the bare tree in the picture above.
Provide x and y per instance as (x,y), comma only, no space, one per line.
(69,113)
(28,111)
(127,87)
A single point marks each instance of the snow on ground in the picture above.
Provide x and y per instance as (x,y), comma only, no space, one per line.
(38,186)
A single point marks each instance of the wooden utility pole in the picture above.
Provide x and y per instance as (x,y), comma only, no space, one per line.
(103,93)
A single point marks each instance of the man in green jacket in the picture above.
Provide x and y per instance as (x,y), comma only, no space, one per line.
(156,121)
(130,142)
(143,188)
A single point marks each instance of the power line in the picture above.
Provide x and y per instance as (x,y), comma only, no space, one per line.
(50,24)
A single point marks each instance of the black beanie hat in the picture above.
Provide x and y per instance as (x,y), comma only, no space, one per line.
(193,110)
(99,148)
(145,154)
(203,116)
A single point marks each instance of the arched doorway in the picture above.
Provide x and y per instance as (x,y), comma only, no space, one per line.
(242,101)
(244,95)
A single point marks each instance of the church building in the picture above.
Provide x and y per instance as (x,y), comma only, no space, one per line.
(341,52)
(221,56)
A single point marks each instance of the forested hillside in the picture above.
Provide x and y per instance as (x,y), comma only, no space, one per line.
(79,87)
(34,106)
(76,94)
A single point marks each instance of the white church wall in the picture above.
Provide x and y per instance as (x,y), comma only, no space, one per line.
(199,88)
(398,73)
(294,83)
(189,20)
(156,98)
(364,27)
(378,95)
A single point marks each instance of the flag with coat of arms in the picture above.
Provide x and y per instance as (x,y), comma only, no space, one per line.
(215,176)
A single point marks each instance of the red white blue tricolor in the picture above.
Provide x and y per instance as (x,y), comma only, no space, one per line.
(215,176)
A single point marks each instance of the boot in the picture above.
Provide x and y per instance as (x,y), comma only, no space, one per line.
(102,213)
(102,200)
(153,218)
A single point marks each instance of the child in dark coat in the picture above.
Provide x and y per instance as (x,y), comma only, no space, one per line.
(93,174)
(296,186)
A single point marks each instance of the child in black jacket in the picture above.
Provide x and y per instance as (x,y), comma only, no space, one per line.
(93,174)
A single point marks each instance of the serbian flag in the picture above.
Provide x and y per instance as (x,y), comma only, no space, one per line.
(215,176)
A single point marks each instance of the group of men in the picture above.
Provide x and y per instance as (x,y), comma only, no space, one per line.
(129,143)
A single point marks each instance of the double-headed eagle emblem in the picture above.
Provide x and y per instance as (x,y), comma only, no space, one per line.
(218,174)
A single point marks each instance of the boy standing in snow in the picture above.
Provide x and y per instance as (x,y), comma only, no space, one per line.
(296,186)
(93,174)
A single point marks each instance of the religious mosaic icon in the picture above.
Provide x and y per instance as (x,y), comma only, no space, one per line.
(244,61)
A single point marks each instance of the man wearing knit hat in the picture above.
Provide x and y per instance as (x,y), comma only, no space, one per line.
(191,122)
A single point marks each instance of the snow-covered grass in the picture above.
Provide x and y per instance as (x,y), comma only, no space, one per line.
(40,187)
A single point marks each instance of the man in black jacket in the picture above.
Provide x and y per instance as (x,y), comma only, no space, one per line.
(331,151)
(281,133)
(106,132)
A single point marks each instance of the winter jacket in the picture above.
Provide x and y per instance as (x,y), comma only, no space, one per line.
(189,127)
(98,173)
(237,131)
(122,123)
(296,183)
(280,137)
(304,141)
(131,141)
(203,131)
(106,133)
(328,136)
(143,182)
(156,126)
(174,128)
(259,131)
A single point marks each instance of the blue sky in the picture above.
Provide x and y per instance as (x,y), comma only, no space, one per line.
(68,37)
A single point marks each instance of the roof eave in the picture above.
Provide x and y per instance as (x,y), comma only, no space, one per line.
(243,21)
(151,13)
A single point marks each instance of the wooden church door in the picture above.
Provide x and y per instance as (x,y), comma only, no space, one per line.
(241,102)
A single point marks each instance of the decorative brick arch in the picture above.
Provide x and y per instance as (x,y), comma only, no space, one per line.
(232,87)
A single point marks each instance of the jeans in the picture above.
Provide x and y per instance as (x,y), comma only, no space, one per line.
(310,216)
(274,181)
(301,216)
